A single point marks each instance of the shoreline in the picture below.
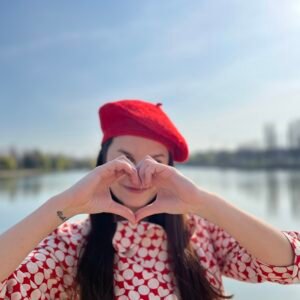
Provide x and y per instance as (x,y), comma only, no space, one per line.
(10,174)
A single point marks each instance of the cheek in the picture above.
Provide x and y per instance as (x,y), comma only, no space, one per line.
(115,186)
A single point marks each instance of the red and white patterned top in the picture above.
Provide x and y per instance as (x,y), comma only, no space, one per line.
(142,266)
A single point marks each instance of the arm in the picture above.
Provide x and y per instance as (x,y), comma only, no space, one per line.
(221,254)
(179,195)
(263,241)
(25,235)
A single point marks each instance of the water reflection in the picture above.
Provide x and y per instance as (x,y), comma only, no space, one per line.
(250,183)
(261,187)
(293,183)
(272,187)
(272,192)
(28,187)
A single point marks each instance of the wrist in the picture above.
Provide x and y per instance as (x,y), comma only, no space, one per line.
(205,200)
(63,207)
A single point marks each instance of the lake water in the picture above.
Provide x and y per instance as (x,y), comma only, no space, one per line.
(271,196)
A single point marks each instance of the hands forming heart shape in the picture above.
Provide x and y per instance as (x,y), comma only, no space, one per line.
(176,194)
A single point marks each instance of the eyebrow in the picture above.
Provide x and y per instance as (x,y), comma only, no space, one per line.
(129,154)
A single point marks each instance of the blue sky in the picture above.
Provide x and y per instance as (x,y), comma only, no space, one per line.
(222,69)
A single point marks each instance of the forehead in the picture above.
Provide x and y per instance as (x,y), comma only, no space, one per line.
(137,144)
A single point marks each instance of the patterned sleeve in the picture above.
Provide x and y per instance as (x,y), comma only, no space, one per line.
(48,271)
(237,263)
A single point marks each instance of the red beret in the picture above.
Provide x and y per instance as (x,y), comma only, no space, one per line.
(145,119)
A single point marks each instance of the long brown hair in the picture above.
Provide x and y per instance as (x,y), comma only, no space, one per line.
(94,279)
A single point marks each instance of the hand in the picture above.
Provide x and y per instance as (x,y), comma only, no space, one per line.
(176,193)
(92,194)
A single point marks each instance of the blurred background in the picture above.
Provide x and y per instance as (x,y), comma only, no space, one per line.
(227,73)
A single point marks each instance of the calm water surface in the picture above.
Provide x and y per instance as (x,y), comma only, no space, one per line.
(271,196)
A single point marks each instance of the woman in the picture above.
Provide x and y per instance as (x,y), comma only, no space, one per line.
(151,232)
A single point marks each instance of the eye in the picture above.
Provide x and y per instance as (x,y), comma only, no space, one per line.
(130,158)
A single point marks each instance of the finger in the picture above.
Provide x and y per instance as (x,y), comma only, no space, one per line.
(123,211)
(125,158)
(149,172)
(135,179)
(146,211)
(142,170)
(122,165)
(134,175)
(120,168)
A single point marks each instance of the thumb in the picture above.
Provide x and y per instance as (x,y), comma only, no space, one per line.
(123,211)
(147,211)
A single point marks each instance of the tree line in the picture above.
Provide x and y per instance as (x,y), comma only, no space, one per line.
(242,158)
(248,159)
(36,159)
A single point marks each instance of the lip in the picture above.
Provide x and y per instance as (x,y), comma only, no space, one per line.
(134,190)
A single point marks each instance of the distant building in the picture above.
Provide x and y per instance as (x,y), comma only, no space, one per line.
(251,145)
(270,137)
(293,134)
